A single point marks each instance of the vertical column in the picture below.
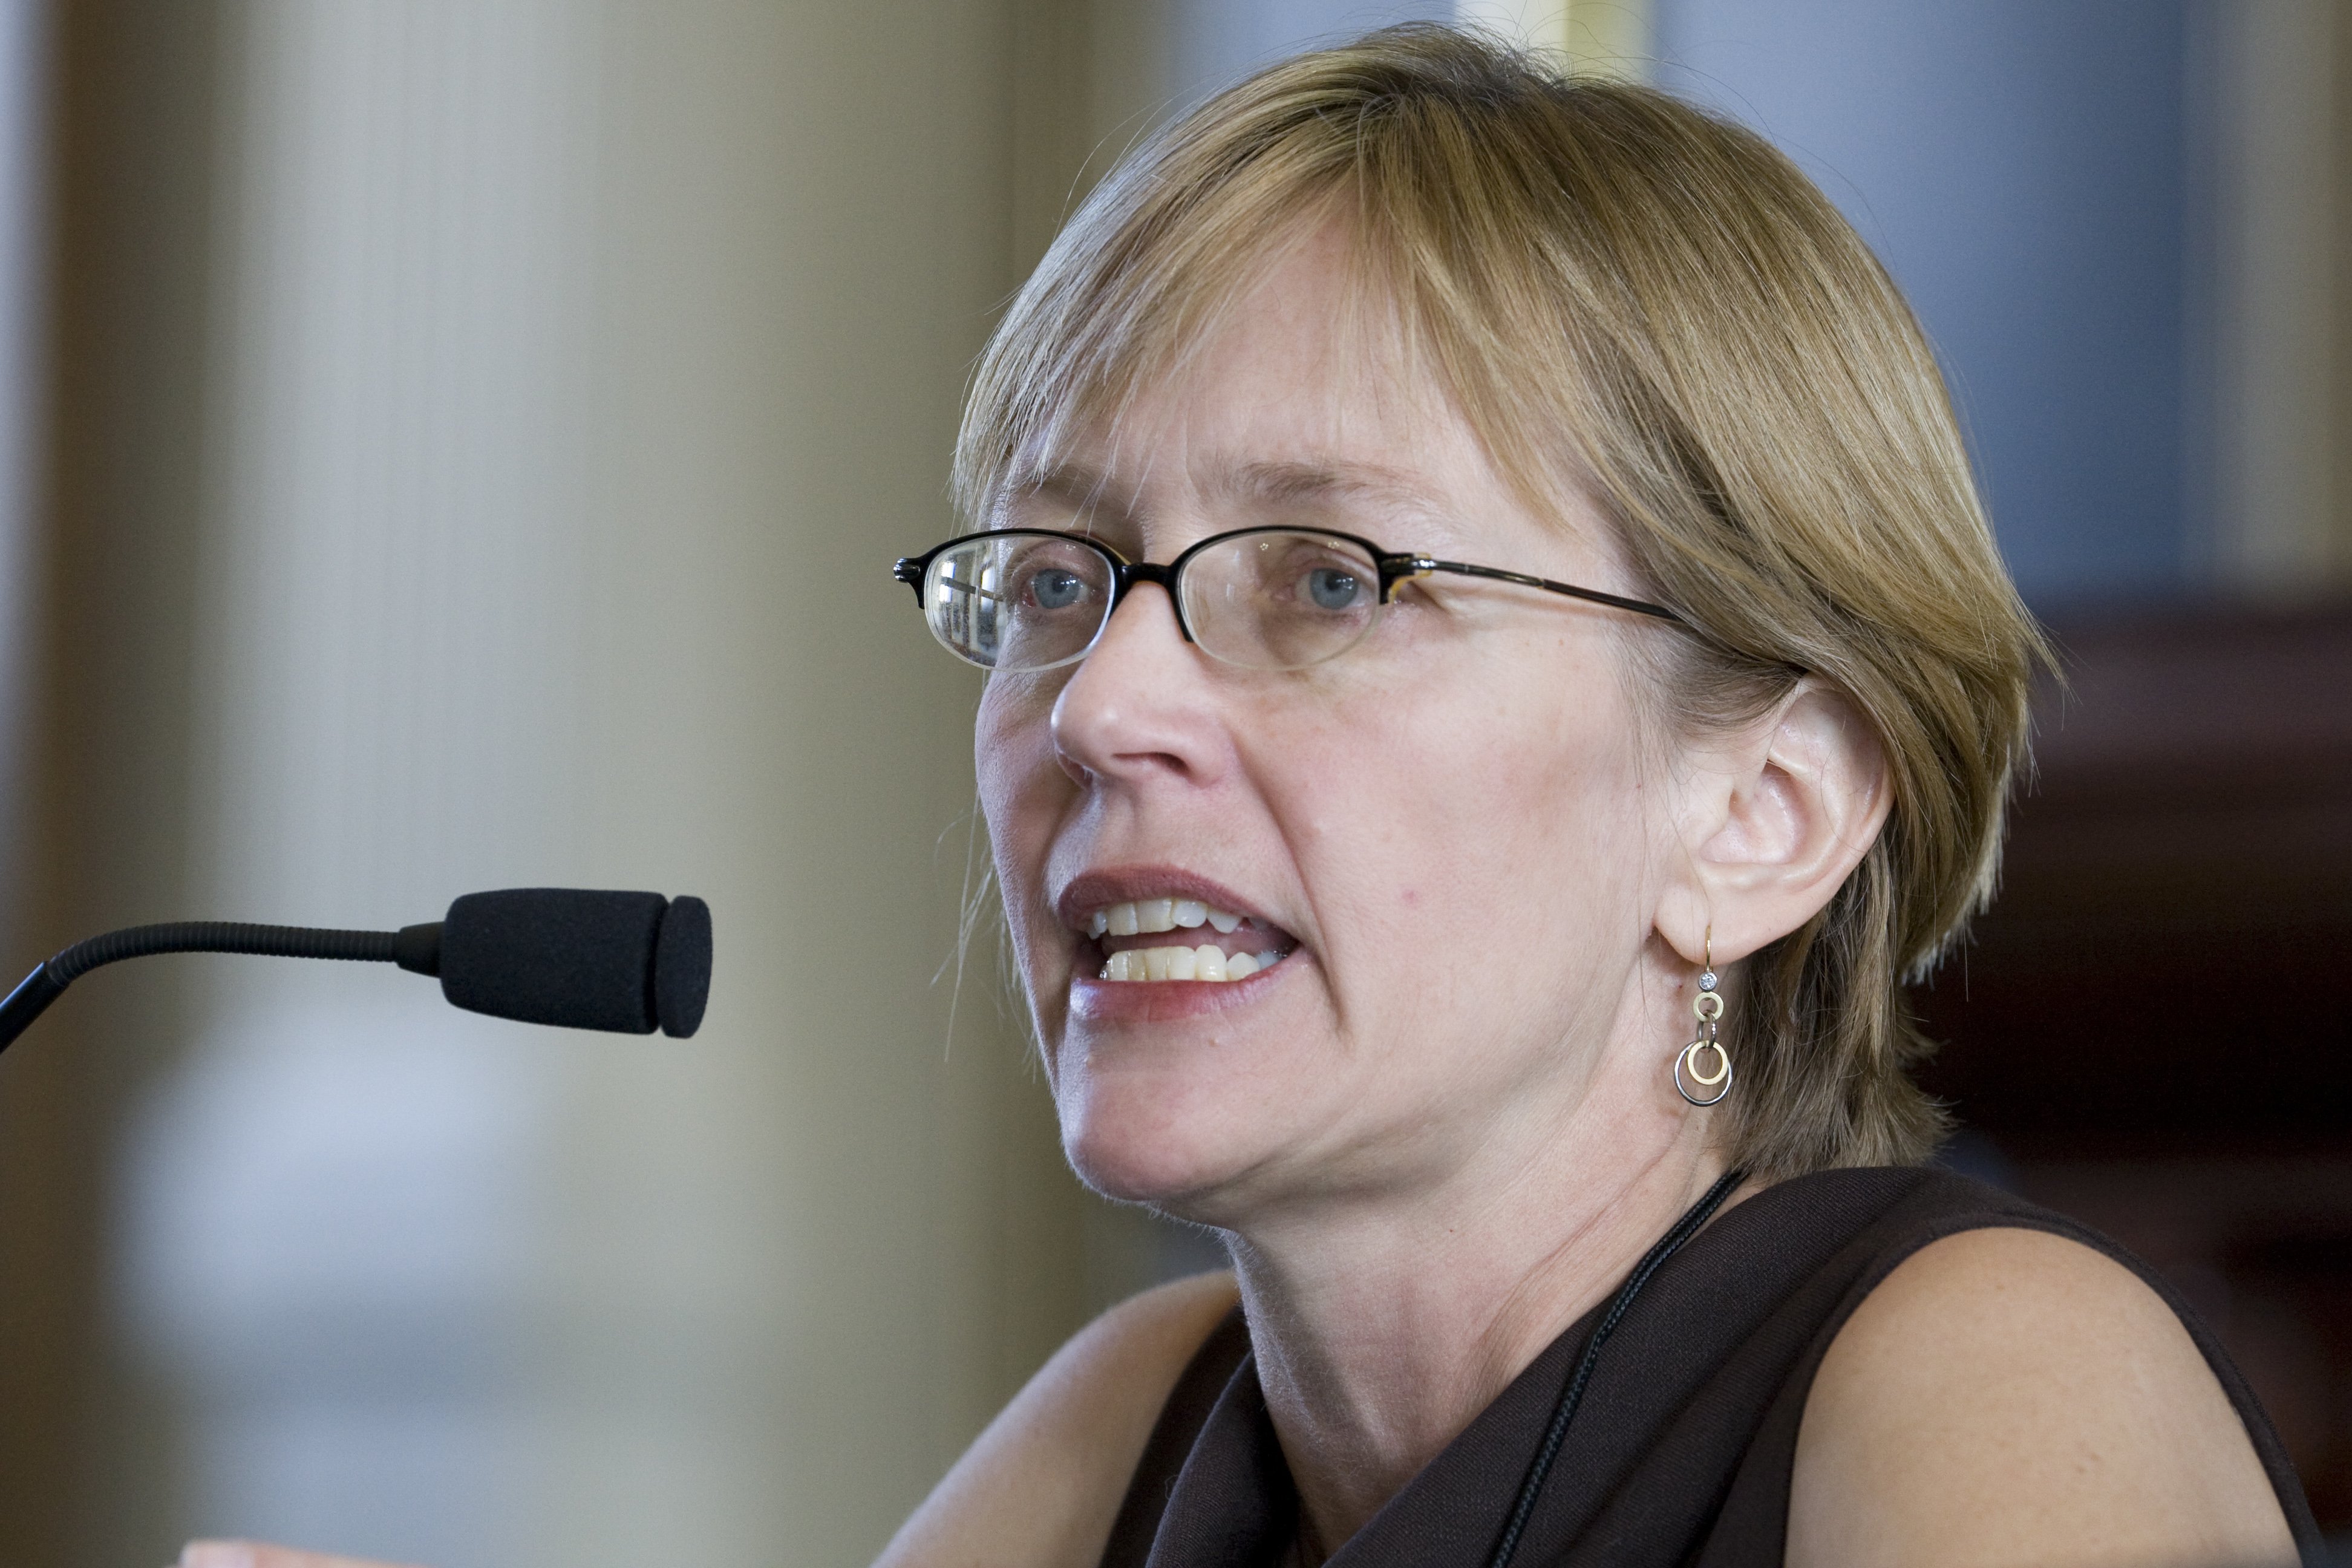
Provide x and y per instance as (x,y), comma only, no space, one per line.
(2282,306)
(105,743)
(37,1305)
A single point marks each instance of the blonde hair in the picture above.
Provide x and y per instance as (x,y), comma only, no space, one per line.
(1636,301)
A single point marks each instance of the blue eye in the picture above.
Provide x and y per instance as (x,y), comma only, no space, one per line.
(1334,588)
(1055,589)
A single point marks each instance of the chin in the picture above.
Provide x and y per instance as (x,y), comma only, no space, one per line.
(1150,1138)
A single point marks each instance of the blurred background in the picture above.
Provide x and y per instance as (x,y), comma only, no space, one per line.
(451,443)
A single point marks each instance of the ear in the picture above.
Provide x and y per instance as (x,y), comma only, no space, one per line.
(1774,818)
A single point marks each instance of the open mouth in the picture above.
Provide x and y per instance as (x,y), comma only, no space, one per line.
(1182,938)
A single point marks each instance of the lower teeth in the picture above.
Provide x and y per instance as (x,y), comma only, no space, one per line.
(1203,962)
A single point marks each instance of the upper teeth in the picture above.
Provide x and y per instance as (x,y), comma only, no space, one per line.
(1139,916)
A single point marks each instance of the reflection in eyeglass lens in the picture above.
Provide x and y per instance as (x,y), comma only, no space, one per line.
(1018,601)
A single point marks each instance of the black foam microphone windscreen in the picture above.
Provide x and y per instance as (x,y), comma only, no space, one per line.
(682,967)
(579,958)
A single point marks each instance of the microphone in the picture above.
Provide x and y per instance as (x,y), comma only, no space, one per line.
(573,957)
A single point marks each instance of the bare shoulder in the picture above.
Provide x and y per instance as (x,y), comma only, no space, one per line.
(1042,1485)
(2014,1397)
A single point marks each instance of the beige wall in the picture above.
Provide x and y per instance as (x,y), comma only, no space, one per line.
(485,426)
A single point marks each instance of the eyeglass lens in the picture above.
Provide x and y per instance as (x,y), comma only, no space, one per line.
(1017,601)
(1269,599)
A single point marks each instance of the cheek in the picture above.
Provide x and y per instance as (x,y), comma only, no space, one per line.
(1002,739)
(1490,832)
(1012,747)
(1023,790)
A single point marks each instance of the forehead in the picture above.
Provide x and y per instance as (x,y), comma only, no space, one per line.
(1306,395)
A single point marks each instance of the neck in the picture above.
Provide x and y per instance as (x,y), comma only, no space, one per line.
(1383,1328)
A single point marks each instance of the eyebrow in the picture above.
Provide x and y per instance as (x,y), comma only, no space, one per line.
(1316,484)
(1267,485)
(1083,490)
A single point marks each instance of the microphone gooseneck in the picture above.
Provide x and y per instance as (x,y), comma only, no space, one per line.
(49,981)
(567,956)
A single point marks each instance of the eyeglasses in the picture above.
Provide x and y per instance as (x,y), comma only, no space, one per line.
(1266,598)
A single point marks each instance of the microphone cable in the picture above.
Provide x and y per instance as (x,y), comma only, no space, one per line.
(1698,1214)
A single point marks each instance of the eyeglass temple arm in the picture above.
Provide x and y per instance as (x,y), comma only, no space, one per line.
(1423,565)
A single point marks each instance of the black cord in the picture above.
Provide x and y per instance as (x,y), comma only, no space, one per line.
(1539,1469)
(222,936)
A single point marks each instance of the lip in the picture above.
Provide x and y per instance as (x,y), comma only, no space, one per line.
(1092,890)
(1102,1002)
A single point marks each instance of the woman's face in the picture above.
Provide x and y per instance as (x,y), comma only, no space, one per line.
(1445,833)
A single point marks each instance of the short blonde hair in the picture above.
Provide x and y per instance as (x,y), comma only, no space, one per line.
(1634,301)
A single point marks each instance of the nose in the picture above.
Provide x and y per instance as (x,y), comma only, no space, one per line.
(1142,706)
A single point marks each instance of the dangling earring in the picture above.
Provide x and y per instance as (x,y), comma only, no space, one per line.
(1709,1006)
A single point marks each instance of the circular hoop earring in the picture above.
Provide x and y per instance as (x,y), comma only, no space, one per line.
(1709,1006)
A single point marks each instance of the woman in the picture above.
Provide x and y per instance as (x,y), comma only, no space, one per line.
(1498,673)
(1557,908)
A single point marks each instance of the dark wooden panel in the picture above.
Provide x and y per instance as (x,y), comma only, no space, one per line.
(2166,964)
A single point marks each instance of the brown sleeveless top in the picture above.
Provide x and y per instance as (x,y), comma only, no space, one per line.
(1682,1450)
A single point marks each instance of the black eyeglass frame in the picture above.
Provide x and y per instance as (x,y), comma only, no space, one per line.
(1395,566)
